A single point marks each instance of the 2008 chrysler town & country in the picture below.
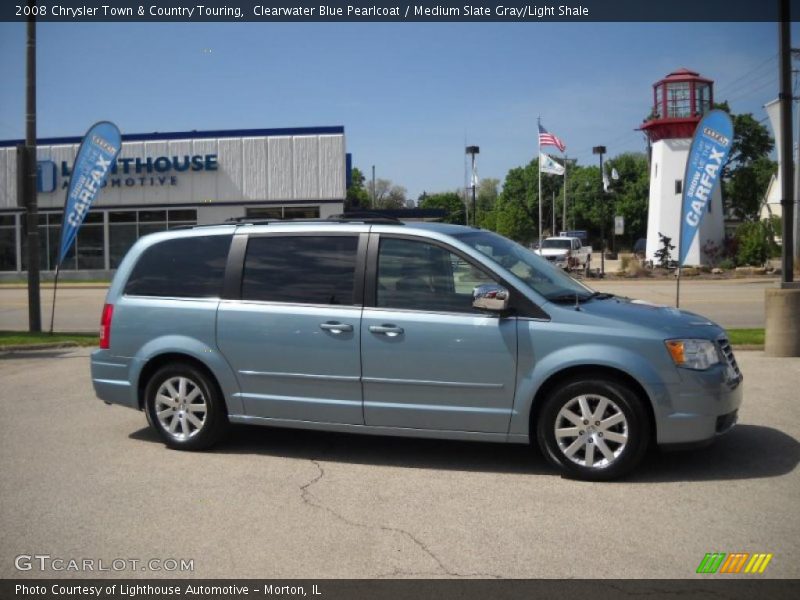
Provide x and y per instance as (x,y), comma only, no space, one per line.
(427,330)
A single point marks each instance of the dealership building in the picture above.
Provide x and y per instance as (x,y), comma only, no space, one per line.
(167,180)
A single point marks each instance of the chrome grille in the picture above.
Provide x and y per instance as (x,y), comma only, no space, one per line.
(727,353)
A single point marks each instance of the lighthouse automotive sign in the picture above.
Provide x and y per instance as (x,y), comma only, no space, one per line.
(710,148)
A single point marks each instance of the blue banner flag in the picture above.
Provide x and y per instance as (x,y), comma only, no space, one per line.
(95,158)
(709,152)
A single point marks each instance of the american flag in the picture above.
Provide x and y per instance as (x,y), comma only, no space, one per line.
(549,139)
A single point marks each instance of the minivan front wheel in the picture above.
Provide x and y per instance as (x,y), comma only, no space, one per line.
(593,429)
(184,407)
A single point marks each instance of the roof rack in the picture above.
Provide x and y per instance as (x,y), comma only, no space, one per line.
(359,217)
(365,216)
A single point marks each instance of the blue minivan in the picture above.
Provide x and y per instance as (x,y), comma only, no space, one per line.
(411,329)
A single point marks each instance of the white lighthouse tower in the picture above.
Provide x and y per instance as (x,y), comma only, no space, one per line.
(679,102)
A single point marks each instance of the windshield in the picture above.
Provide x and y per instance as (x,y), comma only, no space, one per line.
(548,280)
(562,244)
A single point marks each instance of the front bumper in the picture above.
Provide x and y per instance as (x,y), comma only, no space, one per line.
(704,405)
(559,261)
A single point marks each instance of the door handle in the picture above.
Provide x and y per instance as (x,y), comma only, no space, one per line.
(336,328)
(387,330)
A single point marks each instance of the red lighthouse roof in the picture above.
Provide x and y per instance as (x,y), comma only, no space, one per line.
(679,102)
(684,74)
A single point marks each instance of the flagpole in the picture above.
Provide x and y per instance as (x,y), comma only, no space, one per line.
(539,162)
(564,208)
(680,241)
(53,308)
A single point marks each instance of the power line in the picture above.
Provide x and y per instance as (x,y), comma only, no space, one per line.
(749,93)
(746,74)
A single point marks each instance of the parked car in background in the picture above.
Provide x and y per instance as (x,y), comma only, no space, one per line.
(423,330)
(567,253)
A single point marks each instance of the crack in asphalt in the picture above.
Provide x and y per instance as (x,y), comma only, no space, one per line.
(308,498)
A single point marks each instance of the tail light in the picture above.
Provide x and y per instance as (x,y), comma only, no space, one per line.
(105,326)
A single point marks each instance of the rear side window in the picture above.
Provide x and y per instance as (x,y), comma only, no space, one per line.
(300,269)
(185,267)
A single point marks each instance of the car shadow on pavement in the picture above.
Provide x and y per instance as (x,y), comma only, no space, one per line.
(376,450)
(747,452)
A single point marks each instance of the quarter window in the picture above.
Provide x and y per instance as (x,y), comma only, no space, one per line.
(191,267)
(301,269)
(420,276)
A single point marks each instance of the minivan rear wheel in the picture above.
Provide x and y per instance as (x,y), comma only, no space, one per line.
(593,430)
(185,407)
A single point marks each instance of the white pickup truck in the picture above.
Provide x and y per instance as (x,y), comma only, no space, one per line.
(566,252)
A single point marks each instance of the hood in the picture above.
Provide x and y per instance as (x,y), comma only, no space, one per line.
(668,320)
(553,251)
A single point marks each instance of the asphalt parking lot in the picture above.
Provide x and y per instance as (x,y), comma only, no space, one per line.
(79,479)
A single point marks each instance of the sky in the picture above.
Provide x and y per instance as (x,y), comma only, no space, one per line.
(409,95)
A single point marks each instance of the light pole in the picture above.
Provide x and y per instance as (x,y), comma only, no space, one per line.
(29,180)
(472,151)
(602,150)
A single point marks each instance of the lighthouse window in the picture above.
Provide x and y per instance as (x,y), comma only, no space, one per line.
(678,186)
(678,100)
(702,99)
(659,107)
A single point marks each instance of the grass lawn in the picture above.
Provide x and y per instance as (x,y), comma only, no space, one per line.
(19,338)
(738,337)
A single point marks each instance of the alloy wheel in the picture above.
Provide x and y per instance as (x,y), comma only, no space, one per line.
(180,408)
(591,431)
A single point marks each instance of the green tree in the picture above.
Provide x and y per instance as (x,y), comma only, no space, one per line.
(357,197)
(747,186)
(516,212)
(749,169)
(488,192)
(630,194)
(449,201)
(386,195)
(584,204)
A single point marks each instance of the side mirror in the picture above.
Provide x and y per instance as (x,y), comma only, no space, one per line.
(490,297)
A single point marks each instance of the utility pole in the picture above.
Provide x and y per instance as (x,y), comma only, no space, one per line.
(602,150)
(782,304)
(796,55)
(29,179)
(787,184)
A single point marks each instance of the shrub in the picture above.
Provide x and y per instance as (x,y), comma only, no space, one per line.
(755,243)
(663,255)
(727,264)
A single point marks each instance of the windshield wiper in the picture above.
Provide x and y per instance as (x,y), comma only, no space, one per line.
(600,296)
(564,298)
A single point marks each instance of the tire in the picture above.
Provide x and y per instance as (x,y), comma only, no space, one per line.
(591,446)
(185,407)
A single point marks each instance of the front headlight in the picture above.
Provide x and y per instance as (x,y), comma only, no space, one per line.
(693,354)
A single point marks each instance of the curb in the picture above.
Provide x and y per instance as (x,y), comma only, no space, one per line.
(45,346)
